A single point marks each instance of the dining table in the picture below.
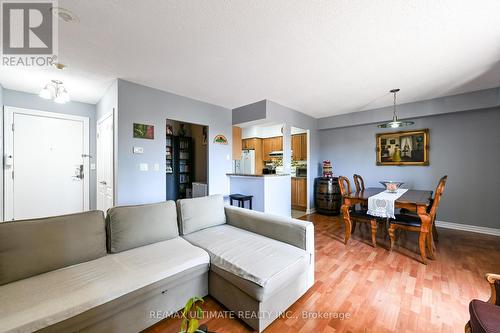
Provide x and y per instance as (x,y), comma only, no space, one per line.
(417,201)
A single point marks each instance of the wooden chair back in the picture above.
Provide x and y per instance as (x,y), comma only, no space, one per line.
(437,197)
(359,183)
(344,185)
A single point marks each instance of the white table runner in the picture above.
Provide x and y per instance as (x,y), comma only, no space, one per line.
(382,204)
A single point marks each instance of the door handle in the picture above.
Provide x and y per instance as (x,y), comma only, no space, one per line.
(102,182)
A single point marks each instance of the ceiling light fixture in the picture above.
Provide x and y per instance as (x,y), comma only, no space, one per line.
(395,123)
(56,91)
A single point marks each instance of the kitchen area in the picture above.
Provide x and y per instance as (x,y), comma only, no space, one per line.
(259,170)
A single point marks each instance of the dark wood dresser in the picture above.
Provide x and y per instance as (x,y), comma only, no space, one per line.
(327,198)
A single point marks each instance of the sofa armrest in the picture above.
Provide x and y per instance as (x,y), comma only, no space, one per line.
(494,281)
(287,230)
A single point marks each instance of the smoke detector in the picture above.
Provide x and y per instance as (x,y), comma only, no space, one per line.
(65,15)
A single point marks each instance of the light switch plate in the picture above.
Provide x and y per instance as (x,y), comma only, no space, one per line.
(138,150)
(156,167)
(143,167)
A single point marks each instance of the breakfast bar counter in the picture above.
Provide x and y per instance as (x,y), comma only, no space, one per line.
(271,193)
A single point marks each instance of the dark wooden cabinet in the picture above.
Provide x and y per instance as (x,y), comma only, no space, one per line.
(327,198)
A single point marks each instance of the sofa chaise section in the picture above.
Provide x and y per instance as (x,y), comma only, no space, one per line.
(260,264)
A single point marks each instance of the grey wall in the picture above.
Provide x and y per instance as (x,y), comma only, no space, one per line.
(31,101)
(141,104)
(108,102)
(251,112)
(463,145)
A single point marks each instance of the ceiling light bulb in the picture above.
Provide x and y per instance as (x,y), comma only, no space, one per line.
(45,93)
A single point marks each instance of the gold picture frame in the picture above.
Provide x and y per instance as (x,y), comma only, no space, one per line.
(403,148)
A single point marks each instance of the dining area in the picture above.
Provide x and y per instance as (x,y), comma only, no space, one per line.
(391,210)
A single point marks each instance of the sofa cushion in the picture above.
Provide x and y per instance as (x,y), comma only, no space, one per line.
(256,264)
(31,247)
(40,301)
(484,317)
(133,226)
(200,213)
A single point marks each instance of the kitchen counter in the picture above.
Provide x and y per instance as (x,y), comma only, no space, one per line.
(271,193)
(254,175)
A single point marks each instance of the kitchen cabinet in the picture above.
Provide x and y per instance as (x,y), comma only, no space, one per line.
(277,143)
(299,193)
(267,148)
(299,147)
(237,143)
(249,143)
(271,144)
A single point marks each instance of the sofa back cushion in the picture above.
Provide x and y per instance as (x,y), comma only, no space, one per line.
(129,227)
(31,247)
(200,213)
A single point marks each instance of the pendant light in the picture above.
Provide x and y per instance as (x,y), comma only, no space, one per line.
(395,123)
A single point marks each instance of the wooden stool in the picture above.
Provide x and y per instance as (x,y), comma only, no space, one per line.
(241,198)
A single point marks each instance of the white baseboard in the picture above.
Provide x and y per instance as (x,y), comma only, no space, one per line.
(468,227)
(311,211)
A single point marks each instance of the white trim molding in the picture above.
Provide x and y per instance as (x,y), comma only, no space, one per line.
(310,211)
(468,227)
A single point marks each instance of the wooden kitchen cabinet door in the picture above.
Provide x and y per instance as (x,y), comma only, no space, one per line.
(237,143)
(302,192)
(267,148)
(303,146)
(277,143)
(296,147)
(294,192)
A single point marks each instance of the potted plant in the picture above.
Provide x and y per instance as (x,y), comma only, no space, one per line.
(191,314)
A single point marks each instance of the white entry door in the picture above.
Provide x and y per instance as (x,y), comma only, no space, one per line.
(105,163)
(46,164)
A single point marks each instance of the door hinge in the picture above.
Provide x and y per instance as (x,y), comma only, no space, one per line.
(12,127)
(12,174)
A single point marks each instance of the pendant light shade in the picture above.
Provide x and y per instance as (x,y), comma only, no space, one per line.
(395,123)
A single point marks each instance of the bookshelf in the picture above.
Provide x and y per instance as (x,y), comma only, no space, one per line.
(179,167)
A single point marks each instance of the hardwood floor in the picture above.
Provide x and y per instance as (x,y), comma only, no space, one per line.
(381,291)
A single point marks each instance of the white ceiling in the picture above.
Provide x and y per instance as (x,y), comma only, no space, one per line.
(320,57)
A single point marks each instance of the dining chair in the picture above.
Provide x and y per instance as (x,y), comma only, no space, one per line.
(360,187)
(353,215)
(414,223)
(359,183)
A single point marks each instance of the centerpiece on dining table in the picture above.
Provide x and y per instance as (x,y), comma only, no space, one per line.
(392,186)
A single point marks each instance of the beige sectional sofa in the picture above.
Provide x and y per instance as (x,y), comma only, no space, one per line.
(82,273)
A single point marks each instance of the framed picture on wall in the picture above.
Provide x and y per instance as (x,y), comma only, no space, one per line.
(143,131)
(404,148)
